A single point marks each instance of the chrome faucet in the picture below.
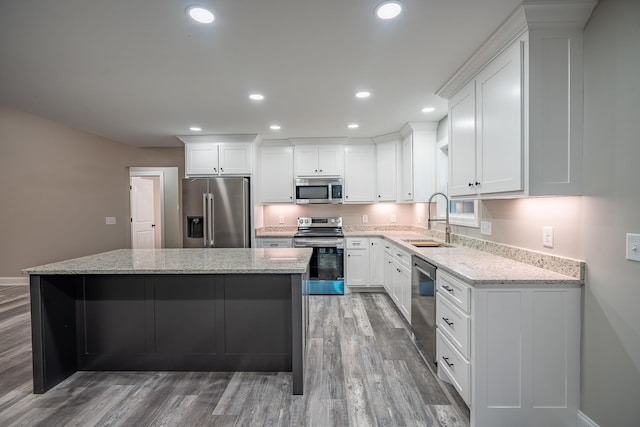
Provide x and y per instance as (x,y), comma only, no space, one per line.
(447,228)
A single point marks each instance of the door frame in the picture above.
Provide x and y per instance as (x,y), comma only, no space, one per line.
(142,172)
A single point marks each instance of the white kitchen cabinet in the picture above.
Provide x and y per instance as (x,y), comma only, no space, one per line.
(462,130)
(276,174)
(388,269)
(521,115)
(486,125)
(319,160)
(418,165)
(513,353)
(359,170)
(387,171)
(215,155)
(376,261)
(357,264)
(400,280)
(211,159)
(274,242)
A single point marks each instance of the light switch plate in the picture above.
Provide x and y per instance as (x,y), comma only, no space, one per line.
(281,219)
(547,236)
(633,247)
(485,228)
(365,218)
(110,220)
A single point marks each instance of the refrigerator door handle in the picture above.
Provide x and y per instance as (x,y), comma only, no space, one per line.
(205,216)
(212,242)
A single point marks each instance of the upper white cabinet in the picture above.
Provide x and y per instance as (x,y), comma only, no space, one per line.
(359,170)
(486,124)
(276,174)
(418,163)
(319,160)
(212,155)
(515,107)
(387,171)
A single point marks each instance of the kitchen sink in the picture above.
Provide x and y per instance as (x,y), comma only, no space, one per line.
(426,243)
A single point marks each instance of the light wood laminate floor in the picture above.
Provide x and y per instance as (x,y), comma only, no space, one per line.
(361,370)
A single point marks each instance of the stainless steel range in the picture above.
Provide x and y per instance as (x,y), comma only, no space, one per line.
(325,236)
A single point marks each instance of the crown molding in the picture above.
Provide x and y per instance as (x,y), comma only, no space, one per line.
(237,138)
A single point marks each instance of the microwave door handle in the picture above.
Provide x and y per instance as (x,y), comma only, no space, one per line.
(205,221)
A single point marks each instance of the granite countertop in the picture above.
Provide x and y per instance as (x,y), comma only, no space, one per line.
(479,268)
(184,261)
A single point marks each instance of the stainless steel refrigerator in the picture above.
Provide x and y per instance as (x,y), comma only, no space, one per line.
(216,212)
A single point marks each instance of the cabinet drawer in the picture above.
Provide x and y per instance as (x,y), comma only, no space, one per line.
(456,291)
(454,324)
(274,243)
(402,257)
(453,367)
(357,243)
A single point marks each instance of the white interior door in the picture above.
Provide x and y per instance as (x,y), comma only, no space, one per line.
(142,213)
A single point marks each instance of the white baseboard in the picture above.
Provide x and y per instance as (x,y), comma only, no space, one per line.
(584,421)
(13,281)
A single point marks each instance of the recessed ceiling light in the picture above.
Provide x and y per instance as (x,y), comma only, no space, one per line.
(200,14)
(195,128)
(256,96)
(353,126)
(274,127)
(389,9)
(363,94)
(428,109)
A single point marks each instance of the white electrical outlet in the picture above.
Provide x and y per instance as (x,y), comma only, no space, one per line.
(547,236)
(110,220)
(633,247)
(281,219)
(365,218)
(485,228)
(393,218)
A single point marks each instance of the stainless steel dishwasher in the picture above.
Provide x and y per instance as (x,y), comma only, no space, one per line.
(423,308)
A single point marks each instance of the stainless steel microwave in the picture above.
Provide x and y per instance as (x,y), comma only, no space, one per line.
(318,190)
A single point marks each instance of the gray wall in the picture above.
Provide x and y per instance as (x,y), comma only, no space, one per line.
(58,185)
(611,208)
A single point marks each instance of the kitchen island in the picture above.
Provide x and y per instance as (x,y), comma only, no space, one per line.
(170,309)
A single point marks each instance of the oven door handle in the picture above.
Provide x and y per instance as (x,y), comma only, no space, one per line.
(318,243)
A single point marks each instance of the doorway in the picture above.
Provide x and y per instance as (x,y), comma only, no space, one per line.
(165,207)
(146,212)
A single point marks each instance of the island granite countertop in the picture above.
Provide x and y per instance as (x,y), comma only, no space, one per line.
(184,261)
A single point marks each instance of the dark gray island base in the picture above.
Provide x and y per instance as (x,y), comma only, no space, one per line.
(253,319)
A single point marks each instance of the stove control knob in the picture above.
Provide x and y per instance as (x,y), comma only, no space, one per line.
(300,221)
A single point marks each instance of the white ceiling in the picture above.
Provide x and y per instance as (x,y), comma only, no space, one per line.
(141,72)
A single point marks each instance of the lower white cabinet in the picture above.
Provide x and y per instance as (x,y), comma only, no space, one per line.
(513,353)
(357,263)
(365,262)
(376,261)
(397,278)
(274,242)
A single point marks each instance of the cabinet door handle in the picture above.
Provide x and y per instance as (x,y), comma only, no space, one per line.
(447,321)
(320,170)
(471,184)
(477,184)
(316,170)
(379,196)
(447,288)
(446,360)
(348,255)
(215,170)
